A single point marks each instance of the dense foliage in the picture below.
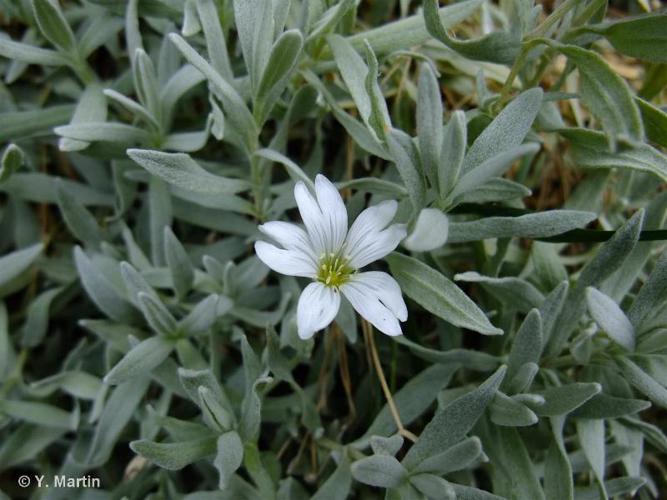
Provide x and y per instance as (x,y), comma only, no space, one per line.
(143,341)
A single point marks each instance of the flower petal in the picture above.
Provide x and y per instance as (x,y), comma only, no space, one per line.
(290,262)
(374,246)
(430,232)
(318,306)
(289,236)
(312,217)
(388,291)
(334,212)
(367,303)
(368,240)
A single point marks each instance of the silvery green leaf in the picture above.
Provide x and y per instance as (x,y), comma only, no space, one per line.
(81,223)
(174,456)
(229,457)
(39,414)
(105,132)
(77,383)
(92,107)
(41,188)
(518,468)
(506,411)
(433,486)
(135,283)
(375,186)
(178,261)
(523,378)
(37,317)
(117,412)
(285,54)
(53,25)
(429,121)
(251,410)
(215,38)
(293,170)
(383,471)
(20,124)
(328,21)
(140,359)
(101,30)
(437,294)
(515,293)
(14,264)
(590,150)
(204,314)
(214,412)
(655,122)
(457,457)
(489,168)
(591,437)
(386,445)
(361,134)
(535,225)
(452,423)
(604,406)
(551,308)
(403,154)
(498,47)
(549,270)
(26,442)
(430,231)
(566,398)
(413,399)
(337,486)
(255,26)
(12,159)
(179,169)
(527,345)
(379,119)
(609,257)
(191,25)
(609,316)
(643,381)
(354,71)
(507,130)
(6,351)
(469,493)
(606,94)
(235,108)
(613,487)
(132,106)
(452,152)
(17,51)
(146,83)
(411,32)
(652,293)
(495,189)
(557,469)
(642,37)
(191,380)
(157,316)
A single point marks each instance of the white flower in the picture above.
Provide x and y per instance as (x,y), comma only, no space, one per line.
(331,255)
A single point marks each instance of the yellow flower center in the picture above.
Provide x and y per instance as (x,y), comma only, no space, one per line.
(333,270)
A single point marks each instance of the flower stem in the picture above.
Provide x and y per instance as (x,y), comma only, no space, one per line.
(370,343)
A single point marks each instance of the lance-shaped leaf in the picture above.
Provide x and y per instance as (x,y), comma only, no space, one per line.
(140,359)
(429,121)
(437,294)
(610,318)
(53,25)
(452,423)
(178,261)
(175,456)
(383,471)
(229,457)
(499,47)
(179,170)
